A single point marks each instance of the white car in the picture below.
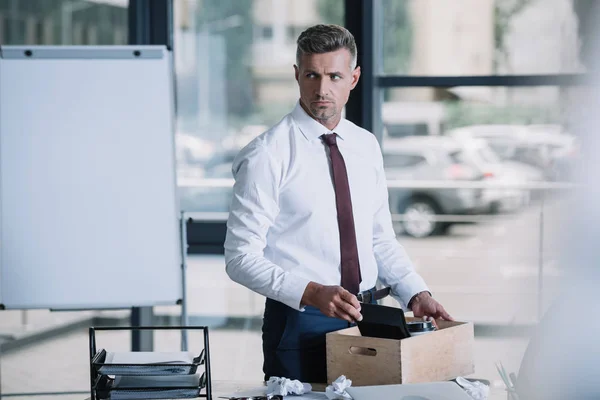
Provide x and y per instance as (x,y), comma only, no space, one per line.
(545,147)
(513,175)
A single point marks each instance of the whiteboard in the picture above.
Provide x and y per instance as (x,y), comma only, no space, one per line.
(88,203)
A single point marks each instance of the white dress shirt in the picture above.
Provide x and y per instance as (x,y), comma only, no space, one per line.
(282,230)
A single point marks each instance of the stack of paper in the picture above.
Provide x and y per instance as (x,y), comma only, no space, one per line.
(154,394)
(141,363)
(150,375)
(155,387)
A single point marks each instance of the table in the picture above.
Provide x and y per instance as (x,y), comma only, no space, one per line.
(223,388)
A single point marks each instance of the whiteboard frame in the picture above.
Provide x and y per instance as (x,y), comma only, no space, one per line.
(100,54)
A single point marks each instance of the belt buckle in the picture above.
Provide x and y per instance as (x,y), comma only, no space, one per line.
(364,297)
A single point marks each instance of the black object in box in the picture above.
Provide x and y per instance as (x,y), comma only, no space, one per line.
(383,322)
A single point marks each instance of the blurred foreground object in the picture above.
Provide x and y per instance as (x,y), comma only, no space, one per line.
(562,359)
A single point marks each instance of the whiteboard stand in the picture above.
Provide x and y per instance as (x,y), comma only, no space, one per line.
(1,368)
(184,247)
(142,340)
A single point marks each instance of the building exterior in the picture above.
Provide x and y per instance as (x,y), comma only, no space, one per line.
(63,22)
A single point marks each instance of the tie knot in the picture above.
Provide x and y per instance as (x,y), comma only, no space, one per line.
(329,139)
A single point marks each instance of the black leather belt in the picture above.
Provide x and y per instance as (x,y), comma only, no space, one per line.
(371,295)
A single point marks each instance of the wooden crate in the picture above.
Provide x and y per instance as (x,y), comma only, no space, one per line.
(437,356)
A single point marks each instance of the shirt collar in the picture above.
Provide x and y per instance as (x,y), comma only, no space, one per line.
(311,129)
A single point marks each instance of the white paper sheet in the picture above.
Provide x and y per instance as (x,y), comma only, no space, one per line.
(149,357)
(138,363)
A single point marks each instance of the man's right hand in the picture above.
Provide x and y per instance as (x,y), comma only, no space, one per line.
(333,301)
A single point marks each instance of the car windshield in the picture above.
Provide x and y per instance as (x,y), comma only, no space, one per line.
(458,157)
(401,160)
(488,155)
(403,130)
(503,150)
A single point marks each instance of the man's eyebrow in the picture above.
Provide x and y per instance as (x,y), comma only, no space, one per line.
(310,71)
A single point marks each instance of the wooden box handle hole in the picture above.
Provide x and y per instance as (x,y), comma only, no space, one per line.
(362,351)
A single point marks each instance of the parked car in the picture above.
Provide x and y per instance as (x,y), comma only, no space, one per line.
(192,150)
(503,172)
(431,158)
(541,146)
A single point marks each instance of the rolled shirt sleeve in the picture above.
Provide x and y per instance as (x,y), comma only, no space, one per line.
(254,208)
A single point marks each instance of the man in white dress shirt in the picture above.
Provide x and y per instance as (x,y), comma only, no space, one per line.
(310,226)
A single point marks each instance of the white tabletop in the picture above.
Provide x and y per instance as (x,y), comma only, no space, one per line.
(227,388)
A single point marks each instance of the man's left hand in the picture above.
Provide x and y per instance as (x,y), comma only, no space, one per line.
(423,305)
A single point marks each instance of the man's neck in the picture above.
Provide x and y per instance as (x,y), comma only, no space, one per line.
(330,123)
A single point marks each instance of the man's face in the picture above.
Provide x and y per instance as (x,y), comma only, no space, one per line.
(325,82)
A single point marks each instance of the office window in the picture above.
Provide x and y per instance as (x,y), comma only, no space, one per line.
(232,87)
(479,217)
(476,138)
(63,22)
(475,217)
(266,32)
(38,30)
(516,135)
(291,34)
(480,37)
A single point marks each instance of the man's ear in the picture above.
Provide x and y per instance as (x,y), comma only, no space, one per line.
(296,72)
(355,77)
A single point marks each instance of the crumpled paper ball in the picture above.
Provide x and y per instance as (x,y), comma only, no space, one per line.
(477,390)
(337,390)
(285,386)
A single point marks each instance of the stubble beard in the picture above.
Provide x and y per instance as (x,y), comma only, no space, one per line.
(323,113)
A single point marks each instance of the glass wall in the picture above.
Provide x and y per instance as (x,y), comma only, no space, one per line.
(470,168)
(480,37)
(63,22)
(235,78)
(478,174)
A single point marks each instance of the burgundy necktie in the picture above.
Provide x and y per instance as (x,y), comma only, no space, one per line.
(351,277)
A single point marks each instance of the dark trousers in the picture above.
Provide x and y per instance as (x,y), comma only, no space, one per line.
(294,342)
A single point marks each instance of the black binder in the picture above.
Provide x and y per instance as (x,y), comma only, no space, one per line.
(383,322)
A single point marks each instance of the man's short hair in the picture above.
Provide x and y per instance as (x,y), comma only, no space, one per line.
(321,39)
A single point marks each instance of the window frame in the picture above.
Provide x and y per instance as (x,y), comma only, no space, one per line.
(364,105)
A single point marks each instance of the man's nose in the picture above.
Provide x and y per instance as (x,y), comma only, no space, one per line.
(322,88)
